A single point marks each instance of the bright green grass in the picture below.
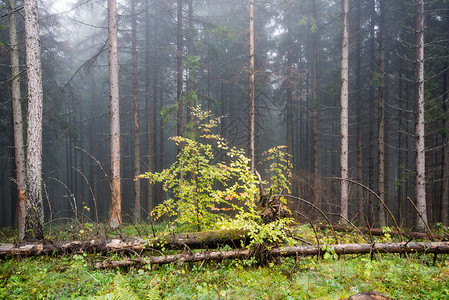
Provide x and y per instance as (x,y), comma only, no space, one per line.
(73,278)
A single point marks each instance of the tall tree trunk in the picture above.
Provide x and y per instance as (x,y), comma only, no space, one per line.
(381,113)
(19,149)
(34,218)
(344,111)
(445,183)
(251,122)
(116,210)
(179,75)
(420,164)
(315,104)
(190,80)
(401,129)
(137,199)
(358,96)
(289,91)
(149,110)
(372,120)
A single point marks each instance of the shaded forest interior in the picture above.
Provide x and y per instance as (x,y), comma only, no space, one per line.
(197,53)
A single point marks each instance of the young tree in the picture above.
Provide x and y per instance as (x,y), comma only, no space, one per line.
(114,114)
(420,167)
(251,124)
(19,149)
(344,110)
(34,218)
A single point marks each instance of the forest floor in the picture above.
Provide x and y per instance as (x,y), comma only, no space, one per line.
(74,276)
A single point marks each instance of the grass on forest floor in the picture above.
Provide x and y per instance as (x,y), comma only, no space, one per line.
(73,277)
(70,277)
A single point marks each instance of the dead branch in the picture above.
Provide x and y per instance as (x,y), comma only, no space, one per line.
(288,251)
(380,232)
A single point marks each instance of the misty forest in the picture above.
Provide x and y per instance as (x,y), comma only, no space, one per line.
(269,127)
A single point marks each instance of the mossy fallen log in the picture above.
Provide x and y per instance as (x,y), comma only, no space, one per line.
(195,240)
(288,251)
(200,240)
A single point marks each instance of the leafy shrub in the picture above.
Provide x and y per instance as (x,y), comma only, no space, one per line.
(203,187)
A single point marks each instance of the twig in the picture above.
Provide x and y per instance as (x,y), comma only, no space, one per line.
(321,212)
(381,201)
(429,233)
(93,195)
(311,224)
(355,227)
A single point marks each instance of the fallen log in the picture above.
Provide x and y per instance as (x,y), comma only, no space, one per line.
(195,240)
(381,232)
(287,251)
(200,240)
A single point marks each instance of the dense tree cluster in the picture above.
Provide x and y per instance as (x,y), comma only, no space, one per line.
(173,55)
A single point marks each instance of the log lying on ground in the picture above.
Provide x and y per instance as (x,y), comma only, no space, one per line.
(380,232)
(201,240)
(206,239)
(288,251)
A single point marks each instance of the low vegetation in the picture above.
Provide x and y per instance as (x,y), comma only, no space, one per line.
(330,277)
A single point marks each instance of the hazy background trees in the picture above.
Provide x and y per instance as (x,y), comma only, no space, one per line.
(297,98)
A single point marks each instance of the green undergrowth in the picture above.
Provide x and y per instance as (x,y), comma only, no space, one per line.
(73,277)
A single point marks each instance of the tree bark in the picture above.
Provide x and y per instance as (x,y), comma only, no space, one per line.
(179,75)
(344,111)
(372,120)
(137,198)
(315,103)
(358,96)
(190,80)
(34,218)
(445,183)
(289,91)
(116,211)
(381,113)
(19,149)
(420,164)
(251,116)
(150,202)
